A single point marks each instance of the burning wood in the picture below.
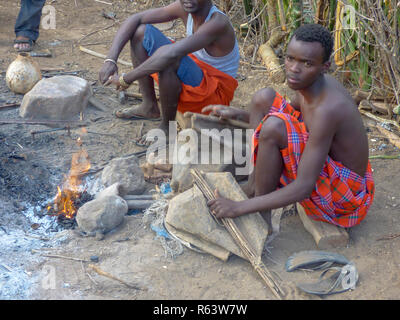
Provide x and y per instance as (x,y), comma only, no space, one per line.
(72,190)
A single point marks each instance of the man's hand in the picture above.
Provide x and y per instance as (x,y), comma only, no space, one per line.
(220,111)
(108,69)
(225,112)
(114,79)
(222,207)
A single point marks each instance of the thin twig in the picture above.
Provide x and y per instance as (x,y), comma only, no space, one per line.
(389,237)
(59,256)
(95,31)
(110,276)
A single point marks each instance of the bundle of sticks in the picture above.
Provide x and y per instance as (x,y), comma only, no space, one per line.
(240,239)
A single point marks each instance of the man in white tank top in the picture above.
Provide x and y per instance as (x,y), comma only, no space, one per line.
(187,82)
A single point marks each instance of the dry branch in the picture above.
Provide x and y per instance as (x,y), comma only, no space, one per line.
(239,239)
(110,276)
(379,119)
(59,256)
(103,56)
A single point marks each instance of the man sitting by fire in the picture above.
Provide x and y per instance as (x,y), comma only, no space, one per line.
(194,72)
(313,151)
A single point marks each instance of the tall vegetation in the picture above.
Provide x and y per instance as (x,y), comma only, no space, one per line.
(366,37)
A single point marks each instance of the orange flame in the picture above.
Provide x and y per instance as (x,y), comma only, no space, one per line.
(71,190)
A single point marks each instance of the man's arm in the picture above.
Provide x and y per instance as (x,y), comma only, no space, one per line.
(129,27)
(169,54)
(311,163)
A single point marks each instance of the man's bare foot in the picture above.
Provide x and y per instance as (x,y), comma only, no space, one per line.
(146,140)
(142,111)
(23,44)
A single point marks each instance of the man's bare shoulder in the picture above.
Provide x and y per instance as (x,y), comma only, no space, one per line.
(337,98)
(219,22)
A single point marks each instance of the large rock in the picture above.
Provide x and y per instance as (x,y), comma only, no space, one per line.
(101,215)
(189,219)
(200,152)
(56,98)
(127,173)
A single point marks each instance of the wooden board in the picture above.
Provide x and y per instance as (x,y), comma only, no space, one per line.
(326,236)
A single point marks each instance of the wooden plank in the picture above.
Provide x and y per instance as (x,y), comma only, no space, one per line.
(326,236)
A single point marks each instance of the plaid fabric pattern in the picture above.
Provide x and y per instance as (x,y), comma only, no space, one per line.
(340,197)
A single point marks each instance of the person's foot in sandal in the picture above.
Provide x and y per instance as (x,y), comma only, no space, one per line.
(143,111)
(23,44)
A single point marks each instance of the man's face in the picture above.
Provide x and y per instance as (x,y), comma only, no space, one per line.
(192,6)
(304,63)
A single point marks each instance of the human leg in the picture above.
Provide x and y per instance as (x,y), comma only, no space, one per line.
(149,107)
(145,42)
(260,105)
(170,88)
(269,164)
(27,23)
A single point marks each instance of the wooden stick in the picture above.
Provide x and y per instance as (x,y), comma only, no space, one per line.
(10,105)
(379,119)
(139,203)
(239,239)
(110,4)
(59,256)
(93,32)
(37,122)
(7,267)
(110,276)
(140,197)
(46,69)
(389,237)
(384,156)
(103,56)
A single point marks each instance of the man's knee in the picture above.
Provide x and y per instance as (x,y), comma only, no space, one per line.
(139,34)
(262,100)
(274,130)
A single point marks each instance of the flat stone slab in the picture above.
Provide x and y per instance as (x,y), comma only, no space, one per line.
(56,98)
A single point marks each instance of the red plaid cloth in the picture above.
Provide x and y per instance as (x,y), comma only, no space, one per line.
(340,197)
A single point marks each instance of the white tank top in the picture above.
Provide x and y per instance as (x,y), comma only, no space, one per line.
(228,63)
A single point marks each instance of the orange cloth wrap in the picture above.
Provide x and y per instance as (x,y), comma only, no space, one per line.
(216,87)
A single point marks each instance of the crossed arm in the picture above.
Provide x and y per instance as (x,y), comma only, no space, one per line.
(311,163)
(166,55)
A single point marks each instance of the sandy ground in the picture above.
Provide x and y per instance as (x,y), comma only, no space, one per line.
(131,252)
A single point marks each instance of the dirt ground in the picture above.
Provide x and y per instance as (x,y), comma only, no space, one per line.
(32,167)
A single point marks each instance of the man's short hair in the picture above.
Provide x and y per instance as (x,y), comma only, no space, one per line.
(316,33)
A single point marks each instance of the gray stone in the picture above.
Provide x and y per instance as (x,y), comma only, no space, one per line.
(101,215)
(127,173)
(112,190)
(181,177)
(56,98)
(189,218)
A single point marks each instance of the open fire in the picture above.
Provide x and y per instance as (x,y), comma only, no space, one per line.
(70,193)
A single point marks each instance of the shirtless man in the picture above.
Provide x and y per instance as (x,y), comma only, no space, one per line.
(187,82)
(316,152)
